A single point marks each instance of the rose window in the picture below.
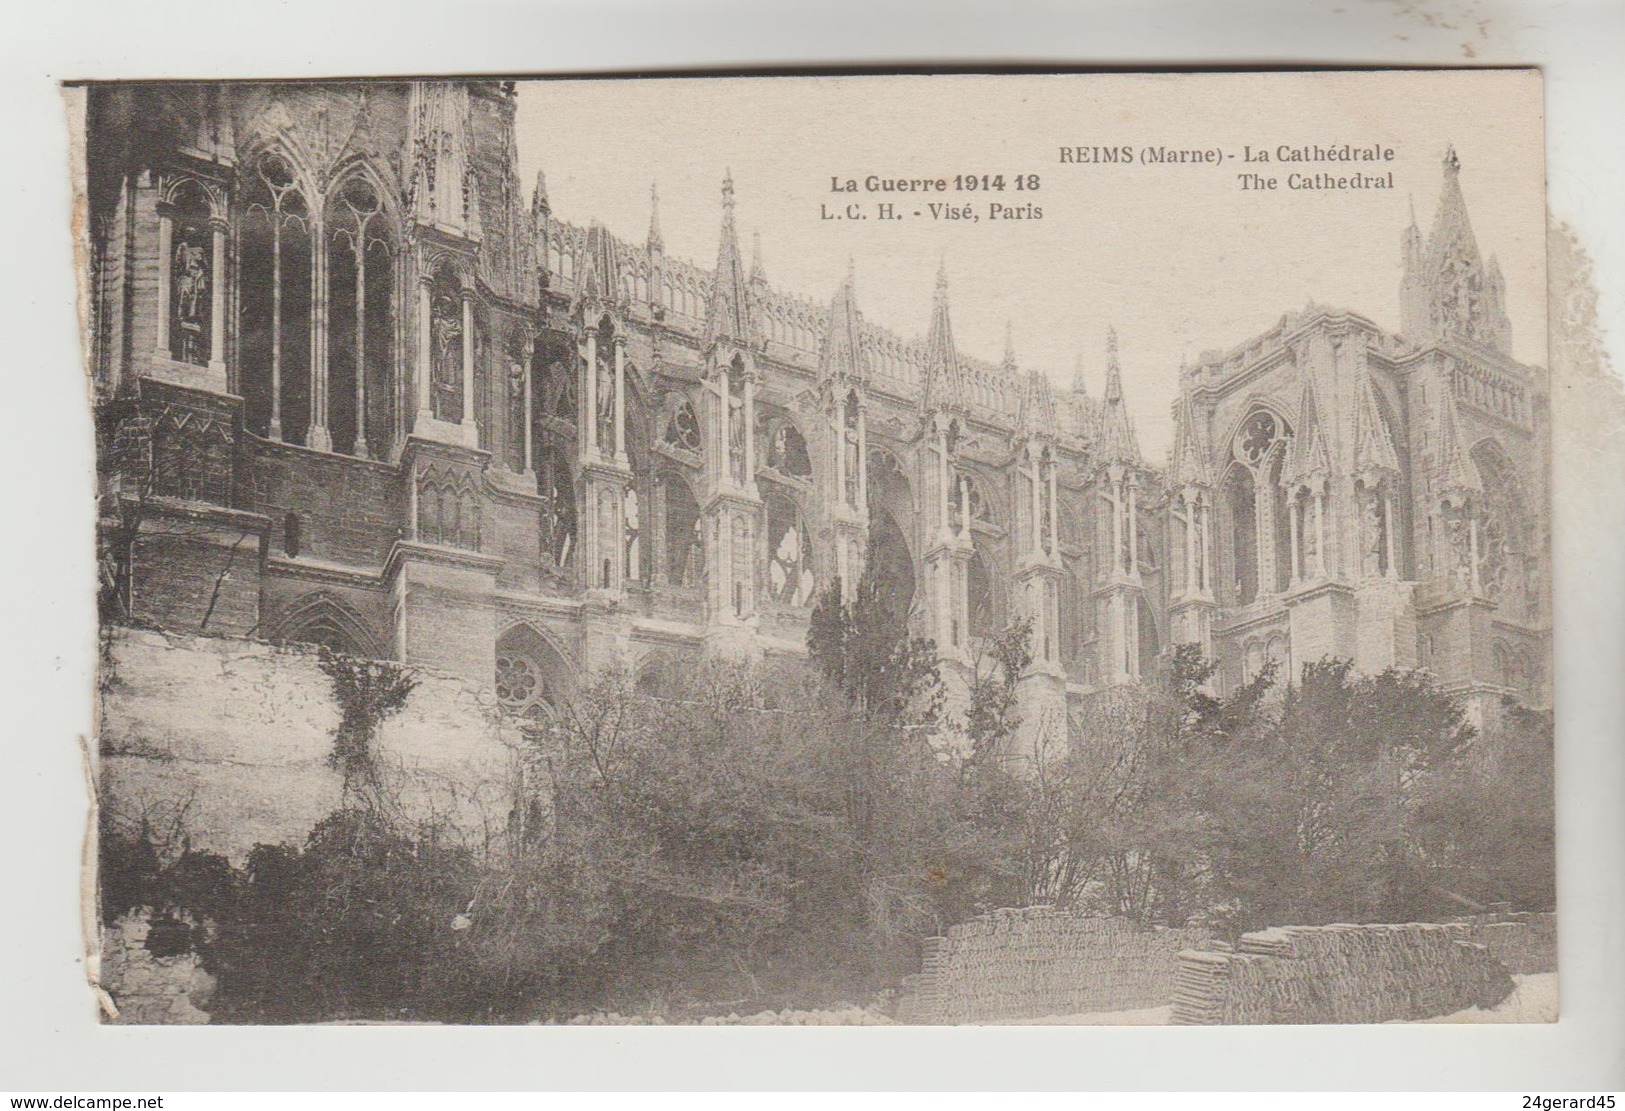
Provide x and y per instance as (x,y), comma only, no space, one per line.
(1257,437)
(519,687)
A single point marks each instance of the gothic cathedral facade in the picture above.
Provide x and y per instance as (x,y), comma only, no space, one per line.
(358,389)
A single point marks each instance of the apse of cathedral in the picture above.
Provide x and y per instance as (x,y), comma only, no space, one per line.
(370,391)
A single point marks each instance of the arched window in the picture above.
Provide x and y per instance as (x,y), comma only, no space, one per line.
(786,449)
(556,486)
(979,598)
(682,429)
(360,320)
(531,677)
(1149,643)
(889,559)
(789,554)
(1509,569)
(632,537)
(1240,497)
(274,281)
(685,543)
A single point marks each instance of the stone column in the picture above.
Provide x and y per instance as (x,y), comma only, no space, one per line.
(361,345)
(166,264)
(1472,549)
(1036,533)
(425,350)
(1054,513)
(840,454)
(942,476)
(620,397)
(863,458)
(1207,548)
(217,298)
(591,393)
(275,430)
(528,416)
(1192,586)
(1292,526)
(1388,531)
(1116,499)
(1320,534)
(468,359)
(750,430)
(964,506)
(1133,526)
(318,437)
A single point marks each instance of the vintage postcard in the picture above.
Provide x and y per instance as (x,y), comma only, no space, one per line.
(947,549)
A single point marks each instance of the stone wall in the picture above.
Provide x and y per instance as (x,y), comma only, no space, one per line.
(1339,974)
(1036,962)
(229,740)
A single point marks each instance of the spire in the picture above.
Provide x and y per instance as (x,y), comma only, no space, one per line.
(1447,290)
(1190,456)
(655,242)
(539,205)
(729,314)
(1114,373)
(758,275)
(842,352)
(1009,348)
(1079,385)
(1118,444)
(944,378)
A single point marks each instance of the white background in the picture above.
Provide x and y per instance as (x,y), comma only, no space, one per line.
(51,1042)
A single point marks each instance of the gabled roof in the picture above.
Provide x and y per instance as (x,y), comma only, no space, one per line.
(842,353)
(1455,473)
(1037,417)
(1189,460)
(1307,455)
(1373,442)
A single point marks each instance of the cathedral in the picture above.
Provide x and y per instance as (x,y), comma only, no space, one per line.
(356,388)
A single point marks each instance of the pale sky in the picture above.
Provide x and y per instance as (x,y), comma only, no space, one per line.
(1177,257)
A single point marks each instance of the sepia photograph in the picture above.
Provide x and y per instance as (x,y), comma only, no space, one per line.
(1064,549)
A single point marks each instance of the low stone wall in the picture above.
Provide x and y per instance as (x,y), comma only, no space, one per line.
(228,740)
(1037,962)
(146,989)
(1339,974)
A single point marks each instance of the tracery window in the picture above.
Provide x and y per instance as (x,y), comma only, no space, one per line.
(360,316)
(683,429)
(789,568)
(275,289)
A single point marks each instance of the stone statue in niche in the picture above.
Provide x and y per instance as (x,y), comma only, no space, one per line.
(516,412)
(1371,533)
(736,438)
(191,280)
(606,404)
(1461,555)
(853,462)
(446,341)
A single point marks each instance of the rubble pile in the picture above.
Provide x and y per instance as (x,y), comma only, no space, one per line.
(1036,962)
(1338,974)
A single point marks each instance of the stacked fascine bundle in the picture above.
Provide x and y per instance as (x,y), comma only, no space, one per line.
(1036,962)
(1524,943)
(1340,973)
